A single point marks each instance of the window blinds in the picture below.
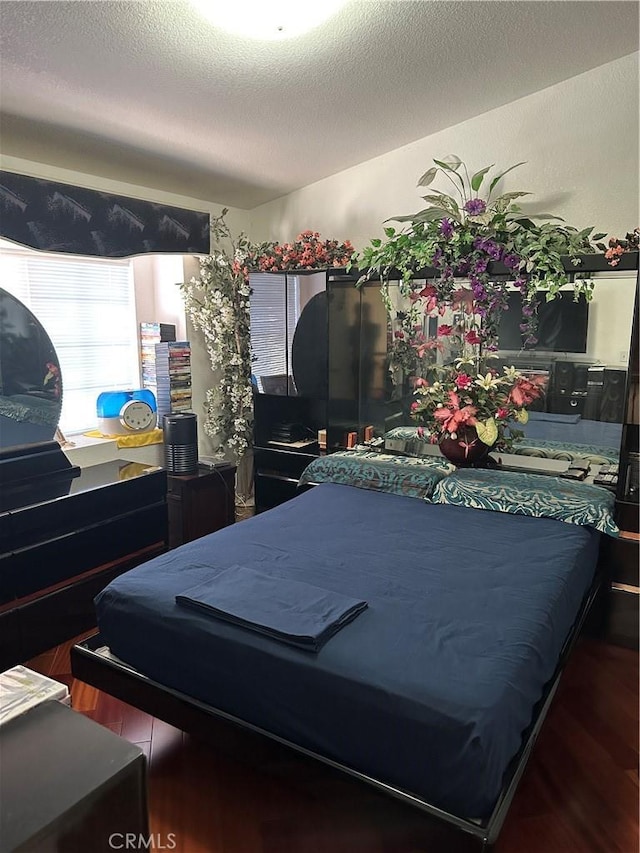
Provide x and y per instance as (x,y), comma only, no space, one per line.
(87,307)
(274,310)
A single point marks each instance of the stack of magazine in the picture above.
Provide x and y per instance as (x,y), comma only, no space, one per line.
(22,689)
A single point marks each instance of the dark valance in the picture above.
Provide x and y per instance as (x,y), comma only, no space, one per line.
(57,217)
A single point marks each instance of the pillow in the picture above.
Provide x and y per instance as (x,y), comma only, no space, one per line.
(595,454)
(530,494)
(407,440)
(366,469)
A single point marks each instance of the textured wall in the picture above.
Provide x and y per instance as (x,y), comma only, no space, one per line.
(579,138)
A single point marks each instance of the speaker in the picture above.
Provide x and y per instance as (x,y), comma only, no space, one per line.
(595,383)
(613,396)
(580,378)
(563,377)
(181,443)
(567,404)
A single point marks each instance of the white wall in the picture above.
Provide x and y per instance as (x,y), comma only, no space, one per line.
(610,319)
(158,299)
(579,140)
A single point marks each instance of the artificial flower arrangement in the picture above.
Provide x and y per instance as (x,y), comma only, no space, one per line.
(307,251)
(617,247)
(468,406)
(460,236)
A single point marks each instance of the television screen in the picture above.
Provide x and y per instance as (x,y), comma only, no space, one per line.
(562,324)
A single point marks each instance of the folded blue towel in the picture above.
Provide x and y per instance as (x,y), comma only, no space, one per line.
(293,612)
(552,417)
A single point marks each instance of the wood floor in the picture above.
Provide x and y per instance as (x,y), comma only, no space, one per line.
(579,793)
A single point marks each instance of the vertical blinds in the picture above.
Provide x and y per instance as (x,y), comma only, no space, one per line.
(87,307)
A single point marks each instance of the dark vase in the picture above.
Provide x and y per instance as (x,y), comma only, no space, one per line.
(466,450)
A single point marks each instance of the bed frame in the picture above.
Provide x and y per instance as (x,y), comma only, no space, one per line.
(456,834)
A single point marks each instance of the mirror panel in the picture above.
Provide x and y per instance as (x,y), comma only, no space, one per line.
(289,334)
(307,323)
(30,379)
(585,387)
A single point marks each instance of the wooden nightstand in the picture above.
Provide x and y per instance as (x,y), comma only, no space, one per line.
(200,503)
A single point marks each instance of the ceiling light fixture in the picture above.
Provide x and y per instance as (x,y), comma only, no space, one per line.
(269,20)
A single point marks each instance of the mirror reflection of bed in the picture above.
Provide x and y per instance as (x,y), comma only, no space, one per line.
(582,354)
(30,379)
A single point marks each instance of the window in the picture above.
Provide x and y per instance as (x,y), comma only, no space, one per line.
(87,306)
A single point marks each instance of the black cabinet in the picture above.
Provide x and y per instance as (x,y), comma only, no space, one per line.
(320,364)
(622,614)
(623,554)
(629,477)
(70,784)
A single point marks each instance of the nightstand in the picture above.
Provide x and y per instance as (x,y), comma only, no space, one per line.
(200,503)
(622,610)
(277,472)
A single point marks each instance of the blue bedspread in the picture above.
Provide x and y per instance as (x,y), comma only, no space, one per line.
(287,610)
(430,688)
(582,432)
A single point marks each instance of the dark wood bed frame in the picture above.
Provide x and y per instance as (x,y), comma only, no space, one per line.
(196,718)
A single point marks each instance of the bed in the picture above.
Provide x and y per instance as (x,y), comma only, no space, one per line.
(434,693)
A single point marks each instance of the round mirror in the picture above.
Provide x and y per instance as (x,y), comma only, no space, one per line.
(30,378)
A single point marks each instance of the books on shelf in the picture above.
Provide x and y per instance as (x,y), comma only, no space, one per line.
(150,335)
(173,377)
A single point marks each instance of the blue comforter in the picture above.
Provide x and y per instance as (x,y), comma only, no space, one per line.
(430,688)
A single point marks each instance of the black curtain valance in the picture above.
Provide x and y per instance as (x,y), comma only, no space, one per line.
(56,217)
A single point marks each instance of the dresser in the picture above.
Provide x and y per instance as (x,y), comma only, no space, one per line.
(65,533)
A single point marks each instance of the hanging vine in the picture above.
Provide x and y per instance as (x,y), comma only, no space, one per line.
(218,304)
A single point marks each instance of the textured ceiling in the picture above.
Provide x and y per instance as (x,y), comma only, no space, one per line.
(150,93)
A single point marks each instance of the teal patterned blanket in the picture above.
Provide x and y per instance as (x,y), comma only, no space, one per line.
(530,494)
(383,472)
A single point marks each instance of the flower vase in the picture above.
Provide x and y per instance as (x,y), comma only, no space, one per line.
(465,450)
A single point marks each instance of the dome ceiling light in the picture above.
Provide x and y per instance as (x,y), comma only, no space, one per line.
(268,20)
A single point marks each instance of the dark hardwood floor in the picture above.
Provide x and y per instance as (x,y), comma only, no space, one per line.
(579,793)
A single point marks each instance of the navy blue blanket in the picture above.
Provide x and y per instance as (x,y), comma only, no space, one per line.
(290,611)
(582,432)
(552,417)
(430,688)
